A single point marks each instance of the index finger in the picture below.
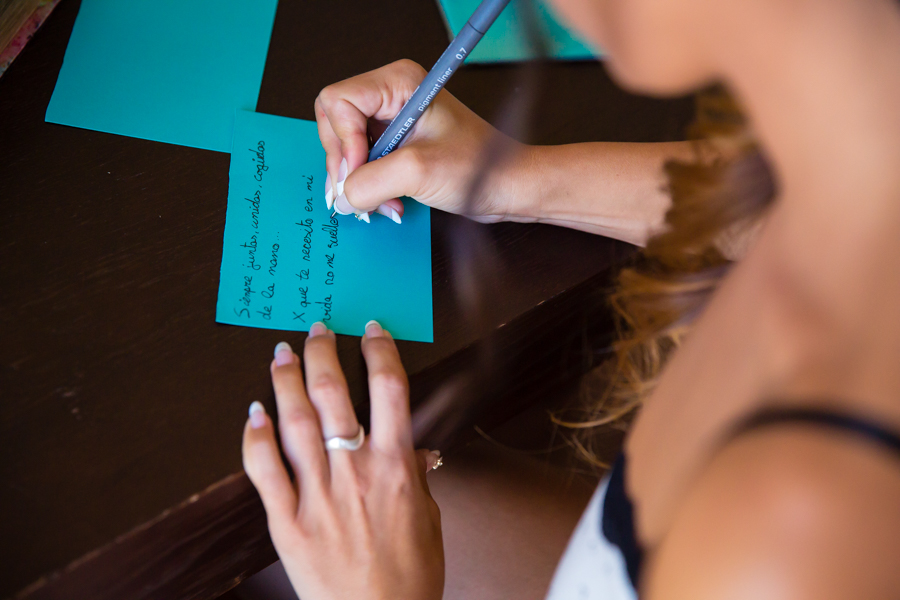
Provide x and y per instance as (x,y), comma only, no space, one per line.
(379,94)
(332,147)
(391,429)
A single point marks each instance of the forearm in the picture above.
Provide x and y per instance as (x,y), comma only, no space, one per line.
(613,189)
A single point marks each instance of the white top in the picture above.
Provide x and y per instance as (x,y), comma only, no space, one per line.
(592,568)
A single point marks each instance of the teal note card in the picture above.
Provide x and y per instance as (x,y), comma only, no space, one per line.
(164,70)
(287,263)
(506,41)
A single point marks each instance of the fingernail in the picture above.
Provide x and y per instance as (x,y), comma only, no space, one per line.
(389,212)
(329,192)
(257,415)
(284,355)
(342,206)
(373,329)
(342,176)
(363,217)
(436,460)
(318,328)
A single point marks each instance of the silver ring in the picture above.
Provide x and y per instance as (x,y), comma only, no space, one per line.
(340,443)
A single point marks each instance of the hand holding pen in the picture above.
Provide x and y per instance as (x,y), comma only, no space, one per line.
(401,92)
(434,166)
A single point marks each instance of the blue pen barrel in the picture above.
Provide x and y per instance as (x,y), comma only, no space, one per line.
(434,82)
(455,54)
(445,66)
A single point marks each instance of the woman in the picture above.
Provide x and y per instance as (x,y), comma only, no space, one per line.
(765,459)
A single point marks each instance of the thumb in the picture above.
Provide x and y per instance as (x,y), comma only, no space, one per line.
(400,173)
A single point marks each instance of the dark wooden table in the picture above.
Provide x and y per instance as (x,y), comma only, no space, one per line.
(122,401)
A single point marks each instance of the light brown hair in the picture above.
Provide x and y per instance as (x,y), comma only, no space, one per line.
(717,202)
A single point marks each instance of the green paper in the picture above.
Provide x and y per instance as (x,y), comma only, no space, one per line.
(505,41)
(165,70)
(287,263)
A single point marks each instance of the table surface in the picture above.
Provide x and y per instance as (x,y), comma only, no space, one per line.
(122,401)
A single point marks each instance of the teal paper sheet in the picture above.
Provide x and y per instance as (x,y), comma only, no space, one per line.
(505,41)
(286,263)
(164,70)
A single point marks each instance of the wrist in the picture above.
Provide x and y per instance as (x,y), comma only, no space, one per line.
(513,189)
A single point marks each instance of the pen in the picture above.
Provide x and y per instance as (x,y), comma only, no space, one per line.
(455,54)
(461,46)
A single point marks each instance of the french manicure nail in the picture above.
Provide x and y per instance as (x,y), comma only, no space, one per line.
(257,415)
(389,212)
(363,217)
(318,328)
(342,206)
(373,329)
(284,355)
(329,192)
(342,176)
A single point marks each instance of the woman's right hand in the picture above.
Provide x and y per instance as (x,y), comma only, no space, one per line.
(435,165)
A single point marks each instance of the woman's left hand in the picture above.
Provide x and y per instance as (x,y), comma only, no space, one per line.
(353,523)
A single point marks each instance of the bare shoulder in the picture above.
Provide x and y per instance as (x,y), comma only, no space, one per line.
(786,512)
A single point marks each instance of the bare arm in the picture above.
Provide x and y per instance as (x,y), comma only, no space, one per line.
(613,189)
(607,188)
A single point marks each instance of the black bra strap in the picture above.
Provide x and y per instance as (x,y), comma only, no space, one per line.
(823,418)
(617,524)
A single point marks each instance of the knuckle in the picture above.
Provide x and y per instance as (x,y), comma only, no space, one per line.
(318,108)
(389,383)
(326,388)
(259,469)
(340,423)
(289,539)
(262,480)
(399,479)
(297,423)
(410,69)
(346,116)
(327,97)
(415,163)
